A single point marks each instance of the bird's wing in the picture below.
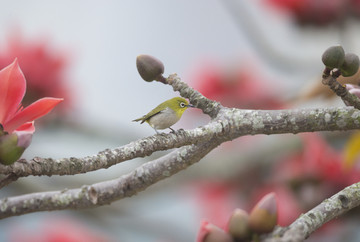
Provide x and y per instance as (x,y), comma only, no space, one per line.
(151,114)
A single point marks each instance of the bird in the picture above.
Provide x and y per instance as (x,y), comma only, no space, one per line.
(165,114)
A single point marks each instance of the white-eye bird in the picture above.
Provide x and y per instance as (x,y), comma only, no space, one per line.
(165,114)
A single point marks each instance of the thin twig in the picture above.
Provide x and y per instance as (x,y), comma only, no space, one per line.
(8,179)
(341,90)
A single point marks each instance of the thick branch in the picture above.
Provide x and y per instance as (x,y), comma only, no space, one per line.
(309,222)
(230,124)
(106,192)
(251,122)
(226,124)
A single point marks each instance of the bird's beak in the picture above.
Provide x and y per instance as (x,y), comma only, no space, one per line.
(190,106)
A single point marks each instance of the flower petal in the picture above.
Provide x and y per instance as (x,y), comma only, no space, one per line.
(24,138)
(12,90)
(27,127)
(32,112)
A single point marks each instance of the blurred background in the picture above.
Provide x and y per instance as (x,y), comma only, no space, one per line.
(260,54)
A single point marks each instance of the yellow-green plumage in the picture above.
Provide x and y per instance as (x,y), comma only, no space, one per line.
(165,114)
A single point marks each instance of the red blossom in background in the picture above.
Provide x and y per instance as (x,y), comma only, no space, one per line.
(17,123)
(216,200)
(56,230)
(300,180)
(242,87)
(318,12)
(317,161)
(44,68)
(310,175)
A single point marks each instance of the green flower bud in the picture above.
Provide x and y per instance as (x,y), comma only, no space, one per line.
(333,57)
(263,217)
(12,146)
(149,67)
(350,65)
(238,225)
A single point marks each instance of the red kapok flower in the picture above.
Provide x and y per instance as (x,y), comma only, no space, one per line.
(45,68)
(47,229)
(316,12)
(17,123)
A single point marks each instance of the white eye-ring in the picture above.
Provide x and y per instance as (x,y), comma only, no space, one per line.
(182,105)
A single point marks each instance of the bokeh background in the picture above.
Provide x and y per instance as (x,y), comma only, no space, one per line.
(260,54)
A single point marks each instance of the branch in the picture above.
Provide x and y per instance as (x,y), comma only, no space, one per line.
(226,124)
(109,191)
(340,90)
(69,166)
(230,124)
(309,222)
(11,177)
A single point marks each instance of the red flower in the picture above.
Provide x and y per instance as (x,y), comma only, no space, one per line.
(43,67)
(313,173)
(17,124)
(317,160)
(318,12)
(55,229)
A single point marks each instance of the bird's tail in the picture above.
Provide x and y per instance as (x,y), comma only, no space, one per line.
(139,119)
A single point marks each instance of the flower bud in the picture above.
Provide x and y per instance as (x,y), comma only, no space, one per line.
(333,57)
(263,217)
(211,233)
(149,67)
(238,225)
(12,146)
(350,65)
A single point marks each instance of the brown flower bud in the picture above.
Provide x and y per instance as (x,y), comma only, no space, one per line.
(350,65)
(333,57)
(238,225)
(149,67)
(263,217)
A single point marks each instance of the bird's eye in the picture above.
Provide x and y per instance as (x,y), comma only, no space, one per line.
(182,105)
